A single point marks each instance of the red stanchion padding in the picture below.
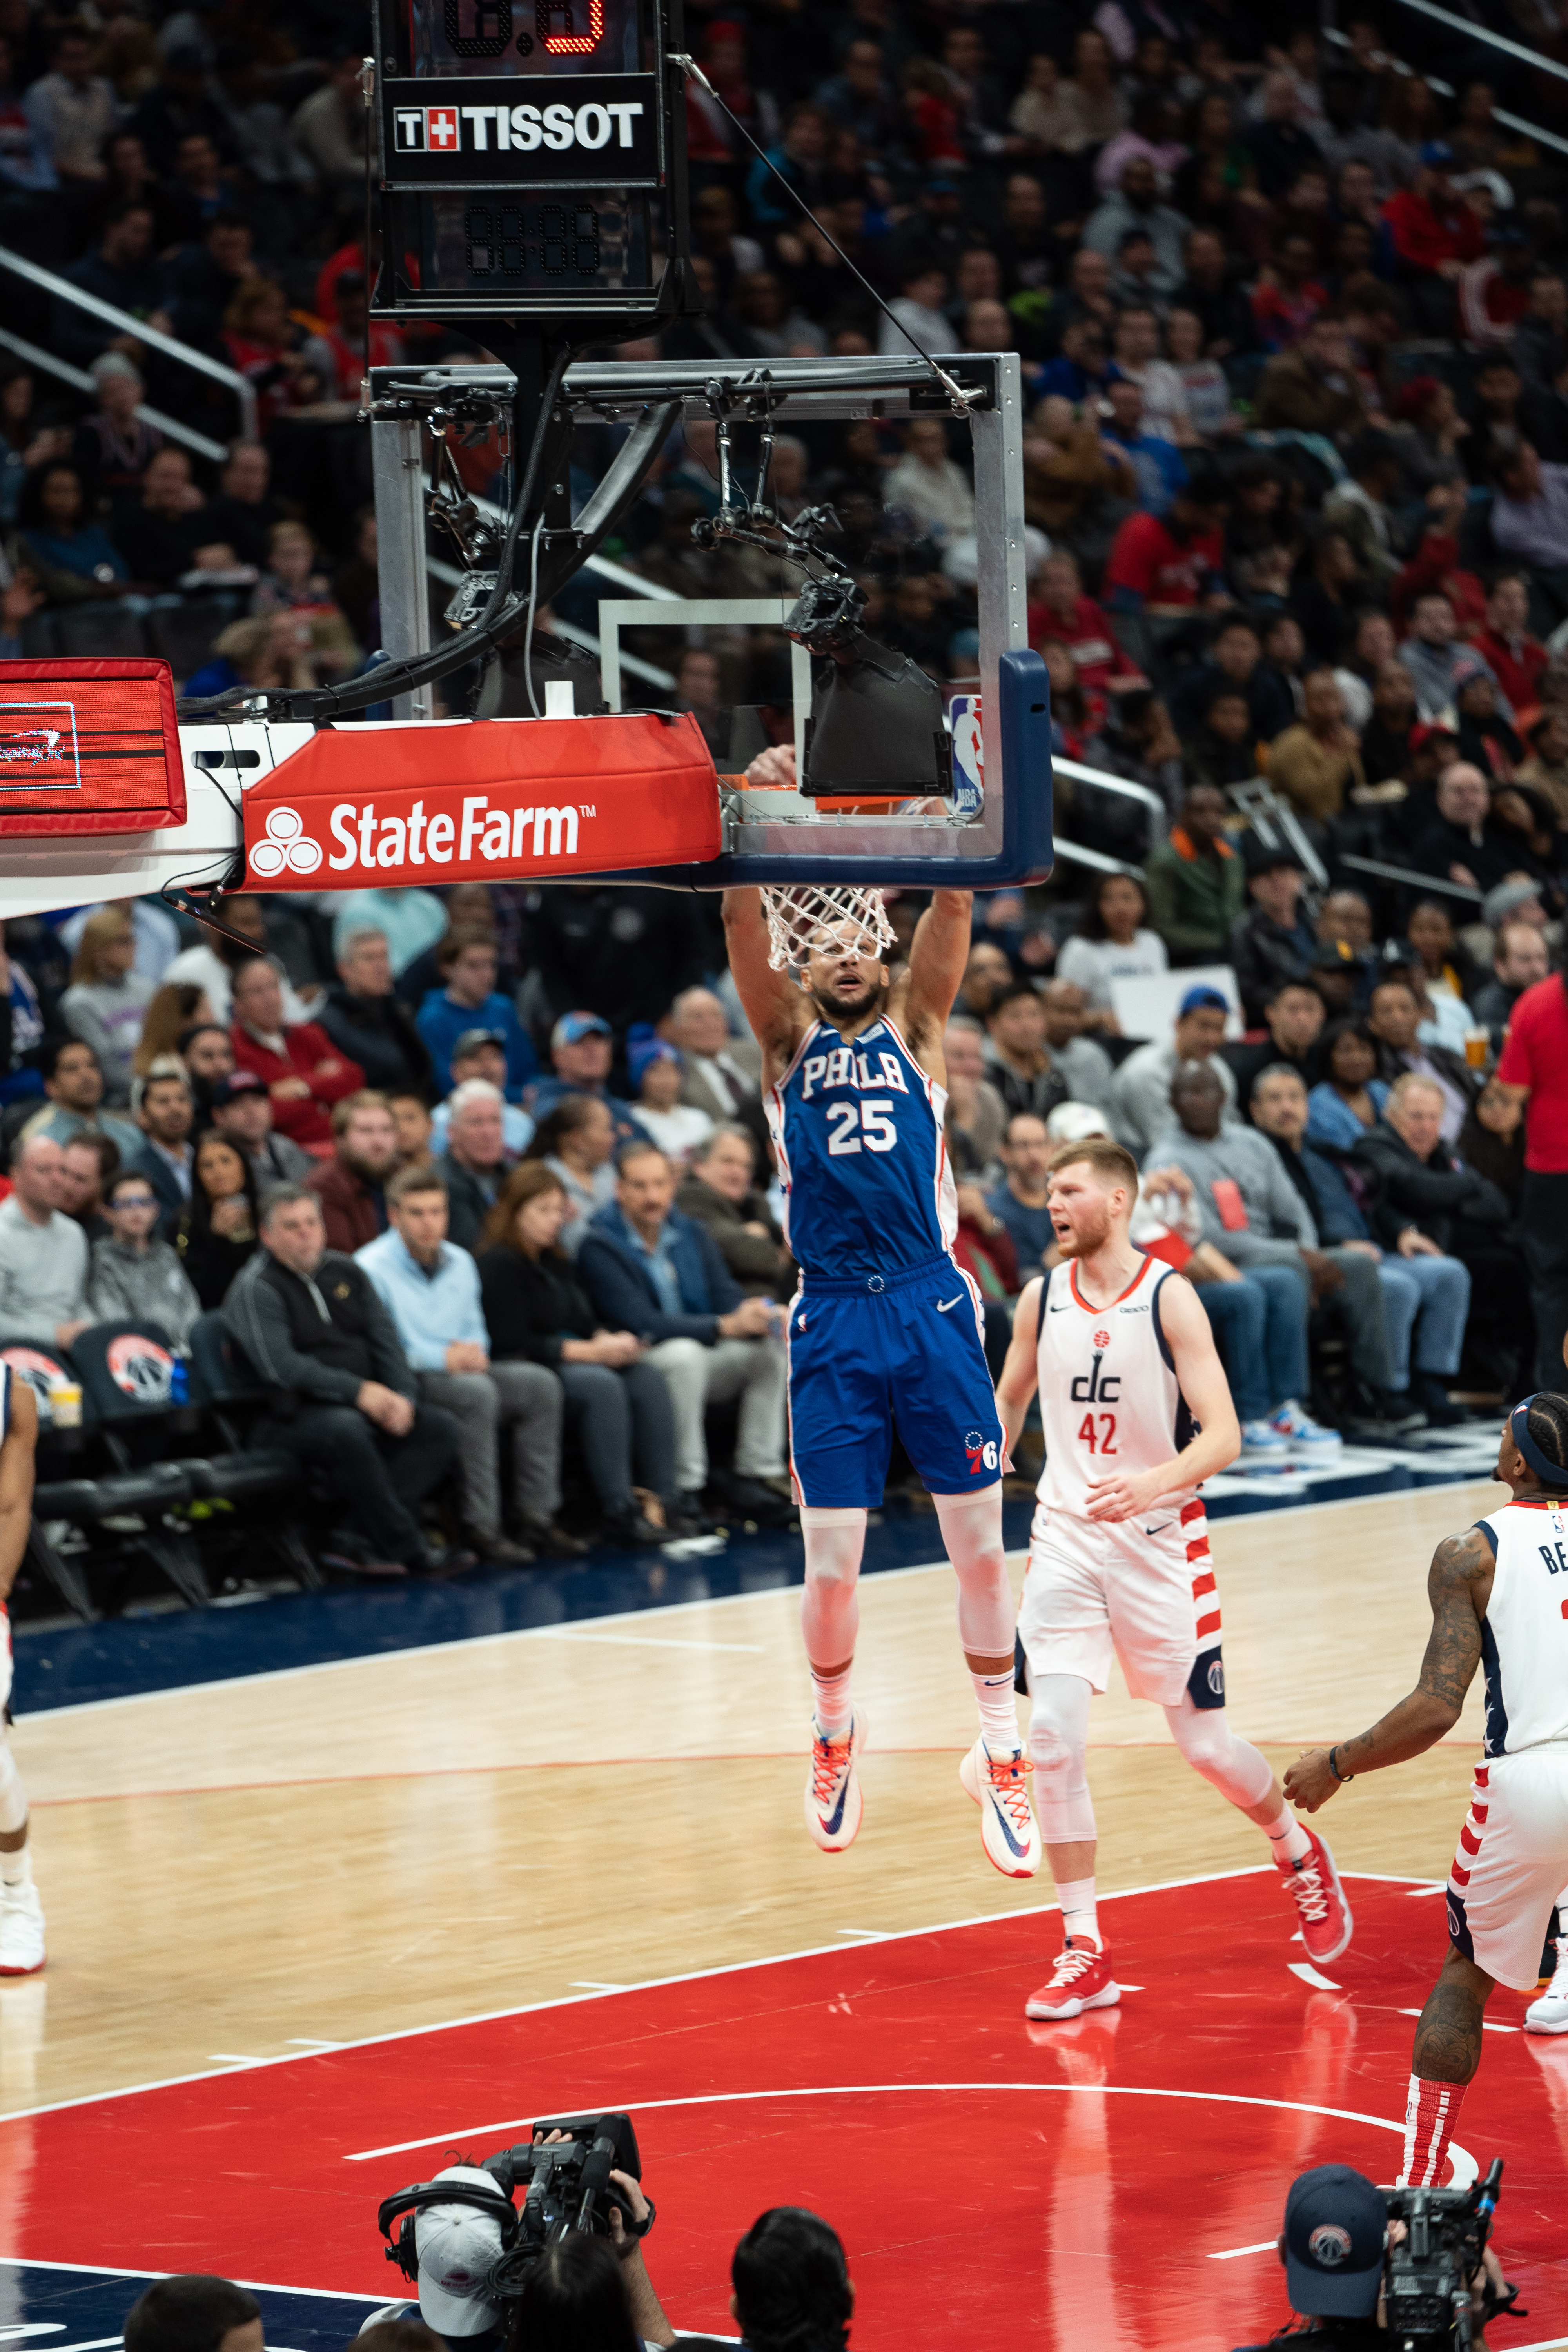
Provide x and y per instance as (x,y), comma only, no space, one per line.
(470,801)
(88,746)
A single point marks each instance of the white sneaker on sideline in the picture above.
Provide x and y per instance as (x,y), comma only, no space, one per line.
(1261,1438)
(21,1933)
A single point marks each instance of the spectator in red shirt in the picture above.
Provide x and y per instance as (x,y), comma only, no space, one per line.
(1533,1070)
(1288,297)
(346,340)
(1517,659)
(1066,616)
(1170,563)
(302,1070)
(1434,235)
(1435,568)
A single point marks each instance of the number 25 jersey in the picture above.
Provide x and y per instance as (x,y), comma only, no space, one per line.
(1110,1400)
(858,1129)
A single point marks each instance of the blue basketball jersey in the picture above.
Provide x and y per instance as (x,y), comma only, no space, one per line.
(862,1159)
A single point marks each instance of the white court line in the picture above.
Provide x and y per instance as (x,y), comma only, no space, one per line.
(1309,1975)
(1487,2025)
(33,2327)
(126,2270)
(1438,1887)
(620,1617)
(657,1984)
(1264,2246)
(638,1641)
(1461,2156)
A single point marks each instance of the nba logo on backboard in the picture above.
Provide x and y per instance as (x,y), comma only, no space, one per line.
(968,756)
(38,749)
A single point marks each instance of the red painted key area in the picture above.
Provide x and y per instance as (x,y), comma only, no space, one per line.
(989,2177)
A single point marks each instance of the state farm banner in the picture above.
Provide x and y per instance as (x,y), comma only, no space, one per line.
(486,799)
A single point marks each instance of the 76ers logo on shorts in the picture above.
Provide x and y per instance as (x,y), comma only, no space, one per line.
(981,1452)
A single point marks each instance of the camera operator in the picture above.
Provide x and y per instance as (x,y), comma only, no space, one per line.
(583,2295)
(1336,2223)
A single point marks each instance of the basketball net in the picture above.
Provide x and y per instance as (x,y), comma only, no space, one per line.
(796,912)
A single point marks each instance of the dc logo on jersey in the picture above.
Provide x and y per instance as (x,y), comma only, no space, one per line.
(1103,1339)
(1215,1678)
(981,1452)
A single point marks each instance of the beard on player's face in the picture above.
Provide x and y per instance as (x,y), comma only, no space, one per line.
(847,989)
(1089,1230)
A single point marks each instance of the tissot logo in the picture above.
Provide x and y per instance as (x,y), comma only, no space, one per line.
(492,129)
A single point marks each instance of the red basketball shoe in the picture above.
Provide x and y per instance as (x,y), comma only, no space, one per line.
(1082,1980)
(1326,1923)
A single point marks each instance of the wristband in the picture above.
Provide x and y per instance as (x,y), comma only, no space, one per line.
(1344,1778)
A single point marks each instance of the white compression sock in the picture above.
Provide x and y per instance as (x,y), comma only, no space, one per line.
(998,1705)
(831,1704)
(1079,1917)
(1289,1839)
(16,1869)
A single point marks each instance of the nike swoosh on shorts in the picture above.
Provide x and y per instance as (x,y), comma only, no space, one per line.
(944,1304)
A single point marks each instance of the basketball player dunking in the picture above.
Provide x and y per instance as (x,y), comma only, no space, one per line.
(1137,1412)
(1497,1597)
(883,1326)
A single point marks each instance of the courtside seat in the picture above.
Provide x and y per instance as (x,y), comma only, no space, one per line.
(238,1476)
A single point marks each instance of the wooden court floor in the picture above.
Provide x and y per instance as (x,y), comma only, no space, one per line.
(242,1869)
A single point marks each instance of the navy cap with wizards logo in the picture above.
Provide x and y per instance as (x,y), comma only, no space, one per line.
(1335,2226)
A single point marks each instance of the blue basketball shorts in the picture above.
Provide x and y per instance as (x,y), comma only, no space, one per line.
(902,1348)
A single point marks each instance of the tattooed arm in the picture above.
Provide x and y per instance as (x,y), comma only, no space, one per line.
(1459,1585)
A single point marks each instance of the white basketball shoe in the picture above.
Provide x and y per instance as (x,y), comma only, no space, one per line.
(998,1781)
(833,1801)
(1548,2013)
(21,1932)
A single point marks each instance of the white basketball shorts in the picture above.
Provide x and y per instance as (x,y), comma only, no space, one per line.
(1511,1862)
(1140,1589)
(4,1659)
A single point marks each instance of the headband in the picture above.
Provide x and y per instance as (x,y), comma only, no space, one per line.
(1552,1475)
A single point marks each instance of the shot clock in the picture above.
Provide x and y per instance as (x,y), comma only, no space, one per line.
(531,162)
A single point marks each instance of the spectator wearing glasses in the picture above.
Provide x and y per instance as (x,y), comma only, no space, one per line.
(134,1275)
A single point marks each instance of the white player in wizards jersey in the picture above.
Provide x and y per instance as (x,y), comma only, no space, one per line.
(1499,1601)
(1137,1412)
(21,1917)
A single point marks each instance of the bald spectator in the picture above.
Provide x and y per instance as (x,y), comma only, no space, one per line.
(302,1070)
(1461,844)
(722,1073)
(43,1252)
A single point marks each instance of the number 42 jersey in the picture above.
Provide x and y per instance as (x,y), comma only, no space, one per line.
(858,1129)
(1110,1400)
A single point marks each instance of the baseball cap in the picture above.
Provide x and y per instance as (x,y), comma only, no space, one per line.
(572,1027)
(1436,154)
(472,1039)
(1260,860)
(1427,730)
(457,2246)
(1197,998)
(1506,900)
(238,1082)
(1335,2226)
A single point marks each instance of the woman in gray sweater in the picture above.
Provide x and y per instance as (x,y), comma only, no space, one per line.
(134,1276)
(107,1000)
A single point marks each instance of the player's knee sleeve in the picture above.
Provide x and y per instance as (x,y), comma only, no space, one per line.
(13,1796)
(972,1531)
(1232,1766)
(1058,1750)
(829,1609)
